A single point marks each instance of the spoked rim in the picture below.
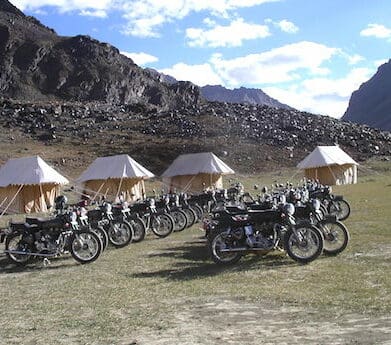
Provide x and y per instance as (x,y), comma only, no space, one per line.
(180,220)
(340,208)
(336,237)
(218,244)
(162,225)
(306,245)
(85,246)
(14,244)
(120,234)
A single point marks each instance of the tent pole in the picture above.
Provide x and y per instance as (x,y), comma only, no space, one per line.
(3,201)
(119,188)
(12,200)
(99,189)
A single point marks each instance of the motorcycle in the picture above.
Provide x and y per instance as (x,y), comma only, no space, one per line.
(156,220)
(49,238)
(335,204)
(234,234)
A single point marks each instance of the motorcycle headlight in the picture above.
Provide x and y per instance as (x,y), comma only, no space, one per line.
(289,209)
(315,204)
(108,207)
(152,202)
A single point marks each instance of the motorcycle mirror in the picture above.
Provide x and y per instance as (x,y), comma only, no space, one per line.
(256,187)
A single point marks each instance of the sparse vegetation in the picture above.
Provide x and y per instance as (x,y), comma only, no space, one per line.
(157,290)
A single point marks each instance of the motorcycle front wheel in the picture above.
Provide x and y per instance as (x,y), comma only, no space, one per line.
(85,246)
(305,244)
(339,208)
(216,245)
(139,229)
(162,225)
(15,242)
(336,237)
(191,216)
(102,234)
(120,233)
(180,220)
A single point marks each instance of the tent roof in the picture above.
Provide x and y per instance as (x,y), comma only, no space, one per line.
(326,155)
(119,166)
(29,171)
(197,163)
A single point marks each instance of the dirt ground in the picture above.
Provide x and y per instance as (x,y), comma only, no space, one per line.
(221,320)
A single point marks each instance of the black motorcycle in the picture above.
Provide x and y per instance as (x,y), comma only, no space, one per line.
(236,233)
(49,238)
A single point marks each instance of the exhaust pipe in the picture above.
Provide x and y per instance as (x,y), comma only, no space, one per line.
(17,252)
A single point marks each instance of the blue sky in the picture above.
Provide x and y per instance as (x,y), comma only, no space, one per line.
(309,54)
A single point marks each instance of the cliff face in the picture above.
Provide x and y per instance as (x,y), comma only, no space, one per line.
(39,65)
(371,103)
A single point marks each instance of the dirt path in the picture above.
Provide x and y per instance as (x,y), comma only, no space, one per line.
(226,321)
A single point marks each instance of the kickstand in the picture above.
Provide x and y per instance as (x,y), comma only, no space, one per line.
(46,262)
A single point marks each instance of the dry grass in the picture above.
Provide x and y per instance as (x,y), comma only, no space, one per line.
(141,291)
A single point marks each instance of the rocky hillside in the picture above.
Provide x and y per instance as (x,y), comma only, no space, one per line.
(250,138)
(371,103)
(217,93)
(39,65)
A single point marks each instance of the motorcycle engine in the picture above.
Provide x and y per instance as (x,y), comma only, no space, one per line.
(45,242)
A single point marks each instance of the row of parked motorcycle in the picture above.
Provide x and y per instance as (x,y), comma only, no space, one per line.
(304,221)
(85,230)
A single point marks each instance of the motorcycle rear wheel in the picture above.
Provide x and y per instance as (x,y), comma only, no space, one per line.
(307,247)
(85,246)
(218,243)
(15,242)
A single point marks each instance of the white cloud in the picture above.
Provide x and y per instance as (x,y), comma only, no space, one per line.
(226,36)
(64,5)
(141,14)
(94,13)
(278,65)
(141,59)
(328,96)
(376,30)
(284,25)
(378,63)
(198,74)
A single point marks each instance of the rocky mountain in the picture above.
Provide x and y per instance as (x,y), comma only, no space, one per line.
(371,103)
(242,95)
(38,65)
(218,93)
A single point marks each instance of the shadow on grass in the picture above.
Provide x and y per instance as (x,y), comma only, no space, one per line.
(192,261)
(7,266)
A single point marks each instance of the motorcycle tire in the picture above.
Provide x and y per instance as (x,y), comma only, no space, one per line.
(191,216)
(120,233)
(139,229)
(308,247)
(103,236)
(199,212)
(85,246)
(162,225)
(339,208)
(180,220)
(335,235)
(222,258)
(15,242)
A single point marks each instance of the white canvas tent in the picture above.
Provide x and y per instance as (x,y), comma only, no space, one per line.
(28,184)
(114,176)
(196,171)
(330,165)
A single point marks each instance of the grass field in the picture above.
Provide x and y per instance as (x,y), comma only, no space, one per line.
(168,291)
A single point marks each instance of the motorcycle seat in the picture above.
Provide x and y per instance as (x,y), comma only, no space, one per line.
(22,226)
(45,222)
